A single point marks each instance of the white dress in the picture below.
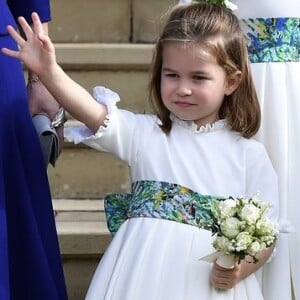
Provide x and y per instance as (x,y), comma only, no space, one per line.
(272,29)
(152,258)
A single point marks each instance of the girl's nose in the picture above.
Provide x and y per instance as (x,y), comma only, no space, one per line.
(183,89)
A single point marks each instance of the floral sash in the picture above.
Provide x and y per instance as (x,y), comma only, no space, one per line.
(272,39)
(162,200)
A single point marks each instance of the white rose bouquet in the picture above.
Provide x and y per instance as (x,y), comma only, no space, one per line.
(242,229)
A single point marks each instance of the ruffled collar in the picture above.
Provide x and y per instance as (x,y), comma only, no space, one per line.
(192,126)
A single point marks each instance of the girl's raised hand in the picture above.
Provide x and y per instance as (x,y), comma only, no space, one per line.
(36,51)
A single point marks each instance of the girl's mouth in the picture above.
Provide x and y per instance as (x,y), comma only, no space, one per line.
(183,104)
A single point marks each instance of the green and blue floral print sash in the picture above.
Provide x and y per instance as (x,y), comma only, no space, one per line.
(163,200)
(272,39)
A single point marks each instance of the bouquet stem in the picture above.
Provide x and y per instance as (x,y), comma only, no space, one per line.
(226,261)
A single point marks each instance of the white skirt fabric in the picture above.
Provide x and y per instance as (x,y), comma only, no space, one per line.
(156,259)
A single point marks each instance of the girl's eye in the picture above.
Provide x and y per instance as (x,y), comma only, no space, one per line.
(199,77)
(171,75)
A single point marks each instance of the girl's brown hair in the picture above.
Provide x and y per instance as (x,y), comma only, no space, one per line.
(217,29)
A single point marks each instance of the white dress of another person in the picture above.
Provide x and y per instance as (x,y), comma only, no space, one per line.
(162,227)
(272,31)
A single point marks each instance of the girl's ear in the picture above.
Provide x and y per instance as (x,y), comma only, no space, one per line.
(233,82)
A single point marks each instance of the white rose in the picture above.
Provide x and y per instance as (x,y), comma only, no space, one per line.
(222,243)
(227,208)
(230,227)
(251,229)
(254,248)
(185,1)
(243,241)
(250,213)
(264,226)
(231,5)
(268,239)
(263,246)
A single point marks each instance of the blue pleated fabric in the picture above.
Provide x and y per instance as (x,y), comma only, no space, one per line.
(30,261)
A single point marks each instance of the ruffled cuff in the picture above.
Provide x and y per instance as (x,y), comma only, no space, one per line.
(106,97)
(82,133)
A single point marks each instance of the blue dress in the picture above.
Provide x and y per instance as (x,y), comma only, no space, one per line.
(30,262)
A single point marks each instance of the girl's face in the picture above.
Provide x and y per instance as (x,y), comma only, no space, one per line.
(193,85)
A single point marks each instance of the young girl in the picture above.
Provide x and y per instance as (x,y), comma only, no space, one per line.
(195,147)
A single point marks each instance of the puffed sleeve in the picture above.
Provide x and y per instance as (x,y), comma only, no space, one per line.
(123,131)
(26,7)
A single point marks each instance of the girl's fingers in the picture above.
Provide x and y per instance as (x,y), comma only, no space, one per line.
(47,45)
(15,35)
(25,26)
(10,53)
(37,24)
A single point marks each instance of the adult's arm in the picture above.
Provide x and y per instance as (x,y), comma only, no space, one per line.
(43,107)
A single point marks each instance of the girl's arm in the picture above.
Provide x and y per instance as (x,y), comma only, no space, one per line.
(38,54)
(74,98)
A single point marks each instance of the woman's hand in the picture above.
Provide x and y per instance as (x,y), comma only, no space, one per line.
(41,102)
(37,50)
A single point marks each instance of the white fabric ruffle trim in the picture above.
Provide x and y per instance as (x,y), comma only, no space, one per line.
(191,125)
(81,133)
(106,97)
